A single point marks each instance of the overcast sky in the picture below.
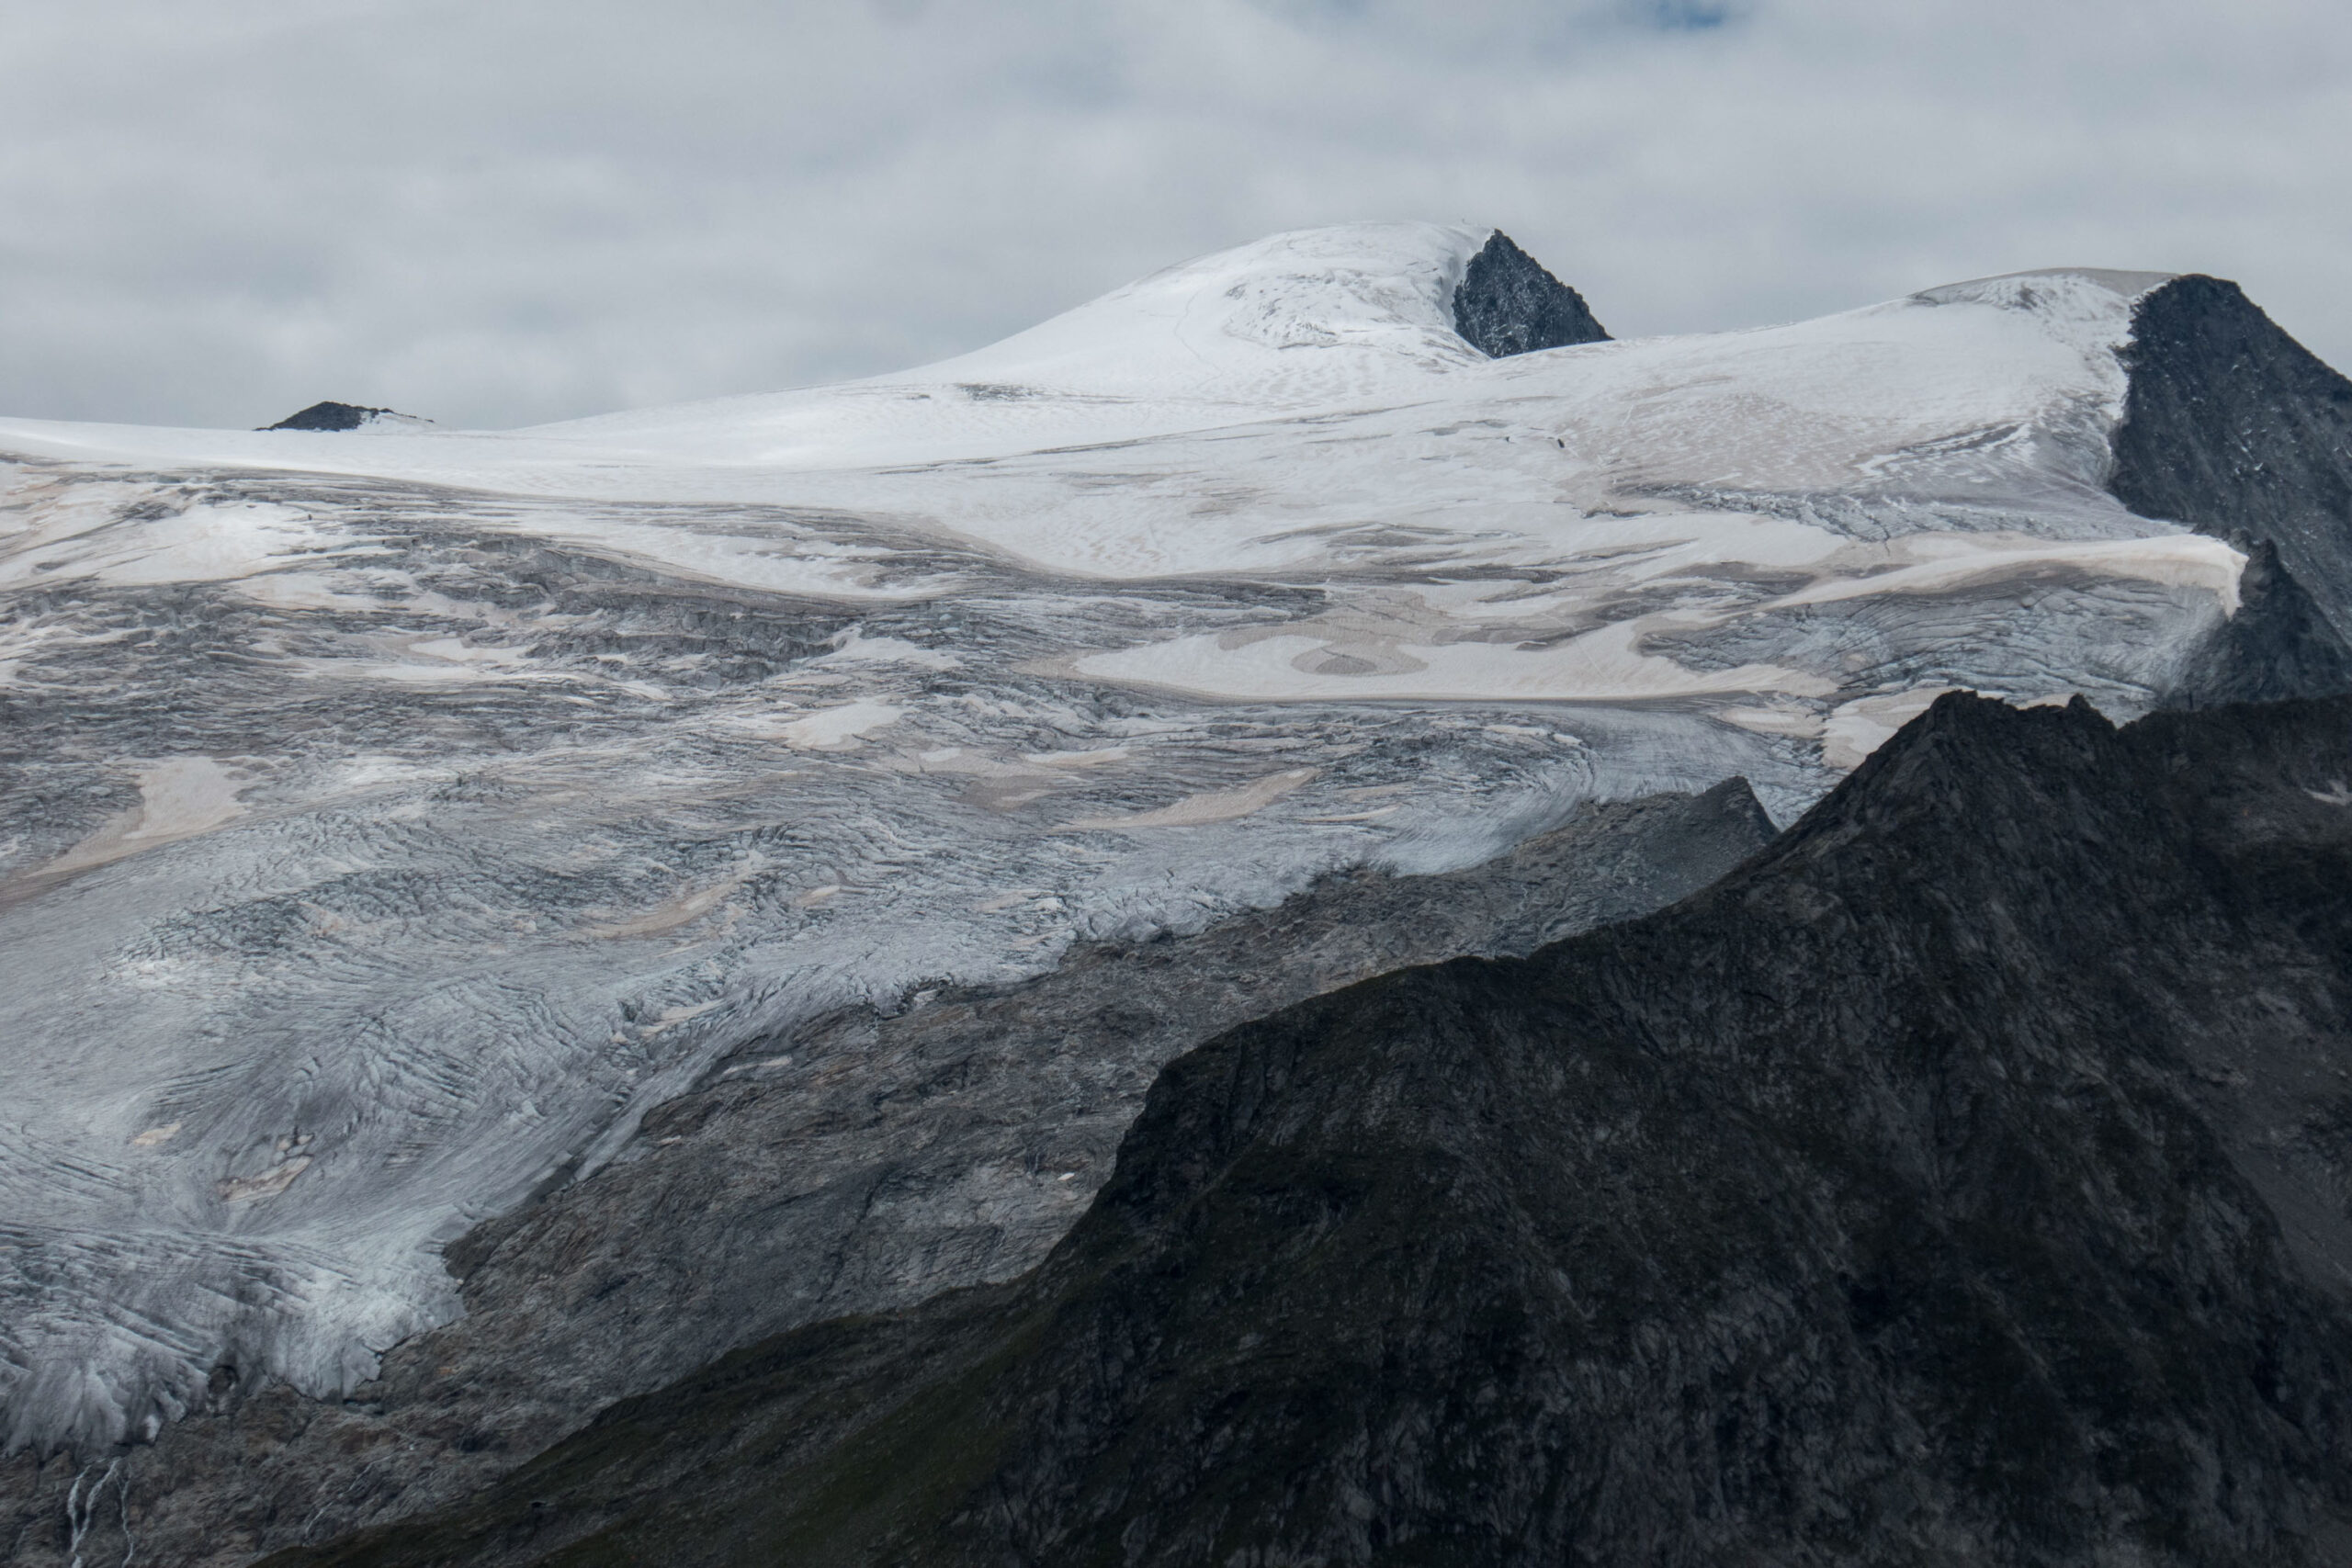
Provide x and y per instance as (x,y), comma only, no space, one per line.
(498,213)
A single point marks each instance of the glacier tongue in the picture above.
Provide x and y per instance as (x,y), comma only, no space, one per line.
(389,824)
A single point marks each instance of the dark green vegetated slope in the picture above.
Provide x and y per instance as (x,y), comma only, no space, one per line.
(1957,1182)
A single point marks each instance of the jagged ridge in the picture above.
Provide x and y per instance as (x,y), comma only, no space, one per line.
(2235,429)
(1508,303)
(1952,1184)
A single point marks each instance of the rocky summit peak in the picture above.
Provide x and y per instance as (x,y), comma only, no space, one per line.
(1507,303)
(343,416)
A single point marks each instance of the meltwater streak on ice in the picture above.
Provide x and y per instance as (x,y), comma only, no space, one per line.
(391,821)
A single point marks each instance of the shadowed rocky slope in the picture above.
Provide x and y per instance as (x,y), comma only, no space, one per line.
(1960,1181)
(2235,429)
(1507,303)
(789,1189)
(2279,645)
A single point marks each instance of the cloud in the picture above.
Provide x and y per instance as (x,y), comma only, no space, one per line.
(494,213)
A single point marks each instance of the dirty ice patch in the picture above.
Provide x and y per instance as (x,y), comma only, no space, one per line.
(1208,806)
(203,544)
(1940,563)
(179,797)
(839,728)
(853,647)
(1605,664)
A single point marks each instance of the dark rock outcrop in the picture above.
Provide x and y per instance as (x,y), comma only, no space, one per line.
(333,416)
(2279,645)
(2234,428)
(1960,1181)
(1506,304)
(785,1190)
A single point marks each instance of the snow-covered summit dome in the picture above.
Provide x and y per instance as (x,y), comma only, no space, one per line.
(1225,325)
(1309,319)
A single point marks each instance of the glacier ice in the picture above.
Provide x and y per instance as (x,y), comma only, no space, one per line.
(389,823)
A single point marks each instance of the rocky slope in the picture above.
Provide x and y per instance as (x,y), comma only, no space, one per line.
(1962,1180)
(860,1162)
(2279,644)
(1507,303)
(2232,427)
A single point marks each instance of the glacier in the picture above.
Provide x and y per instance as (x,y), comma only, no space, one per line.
(393,818)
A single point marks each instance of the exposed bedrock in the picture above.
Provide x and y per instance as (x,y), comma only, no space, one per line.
(2234,428)
(340,416)
(1960,1181)
(862,1163)
(2279,645)
(1507,303)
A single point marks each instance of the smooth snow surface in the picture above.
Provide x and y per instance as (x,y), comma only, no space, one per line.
(389,822)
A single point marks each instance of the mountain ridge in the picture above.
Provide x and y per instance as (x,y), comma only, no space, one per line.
(1756,1264)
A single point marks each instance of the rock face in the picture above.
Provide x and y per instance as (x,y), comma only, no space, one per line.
(792,1188)
(1959,1181)
(1507,303)
(2235,429)
(342,416)
(2279,645)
